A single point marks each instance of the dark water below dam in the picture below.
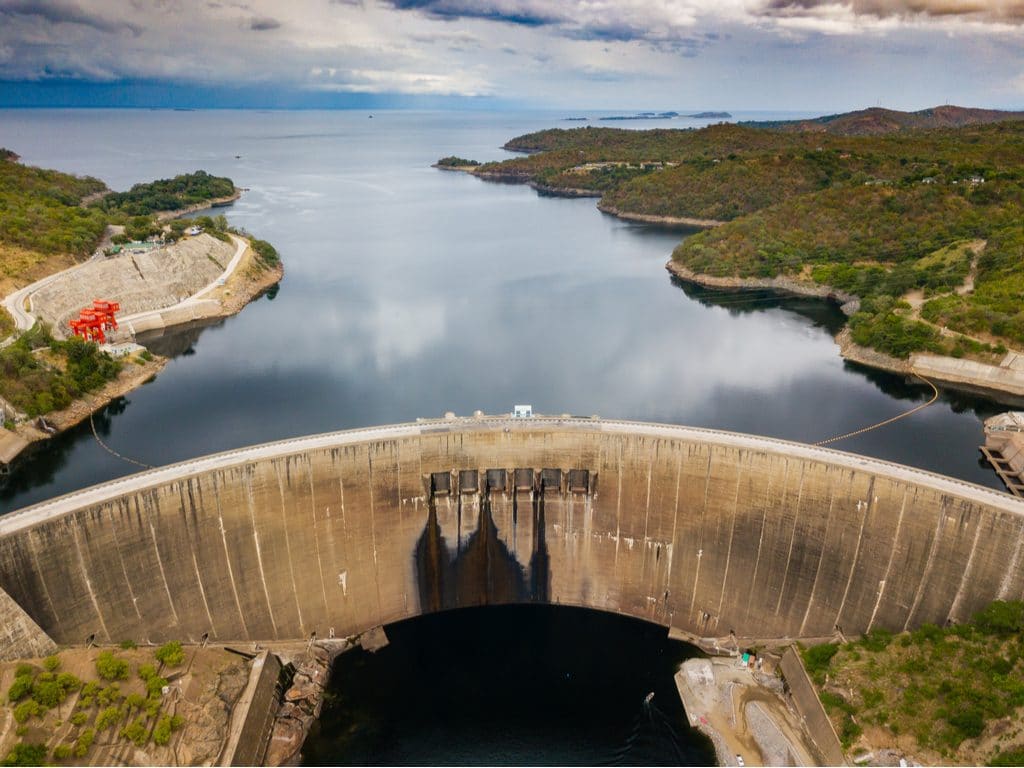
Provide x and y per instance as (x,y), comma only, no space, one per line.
(518,685)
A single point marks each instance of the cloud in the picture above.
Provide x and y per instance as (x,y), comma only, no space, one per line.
(984,11)
(652,21)
(58,12)
(510,12)
(263,23)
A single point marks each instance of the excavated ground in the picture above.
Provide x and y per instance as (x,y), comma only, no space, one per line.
(140,282)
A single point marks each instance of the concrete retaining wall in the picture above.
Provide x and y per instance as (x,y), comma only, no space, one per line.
(809,706)
(253,717)
(20,637)
(706,532)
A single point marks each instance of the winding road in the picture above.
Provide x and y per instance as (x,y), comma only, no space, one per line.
(24,319)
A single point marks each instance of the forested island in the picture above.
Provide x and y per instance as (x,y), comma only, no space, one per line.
(51,222)
(919,231)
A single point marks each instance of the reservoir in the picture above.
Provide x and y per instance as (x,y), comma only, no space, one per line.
(410,292)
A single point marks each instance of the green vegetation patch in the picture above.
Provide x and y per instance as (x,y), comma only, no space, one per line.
(37,386)
(942,685)
(453,161)
(167,194)
(996,305)
(40,210)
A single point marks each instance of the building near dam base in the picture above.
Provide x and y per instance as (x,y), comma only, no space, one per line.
(715,535)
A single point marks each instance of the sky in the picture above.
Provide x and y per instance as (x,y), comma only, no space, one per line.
(821,55)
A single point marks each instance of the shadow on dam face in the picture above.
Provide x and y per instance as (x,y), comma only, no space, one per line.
(480,570)
(510,685)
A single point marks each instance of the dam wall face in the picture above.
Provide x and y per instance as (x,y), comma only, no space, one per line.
(705,532)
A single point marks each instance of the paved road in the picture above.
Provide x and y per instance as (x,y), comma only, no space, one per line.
(195,298)
(98,494)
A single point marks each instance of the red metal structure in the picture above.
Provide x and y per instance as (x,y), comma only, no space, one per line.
(93,321)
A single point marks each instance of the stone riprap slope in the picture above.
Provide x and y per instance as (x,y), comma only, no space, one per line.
(140,282)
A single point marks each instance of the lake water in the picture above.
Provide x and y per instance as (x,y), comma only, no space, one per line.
(411,291)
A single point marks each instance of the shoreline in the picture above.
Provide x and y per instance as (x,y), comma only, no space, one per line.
(133,376)
(246,284)
(684,222)
(216,202)
(681,222)
(849,302)
(1003,383)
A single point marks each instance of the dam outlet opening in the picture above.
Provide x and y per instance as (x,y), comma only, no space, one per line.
(510,685)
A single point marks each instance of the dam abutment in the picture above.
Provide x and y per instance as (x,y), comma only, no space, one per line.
(707,533)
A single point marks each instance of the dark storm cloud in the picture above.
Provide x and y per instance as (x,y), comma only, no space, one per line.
(58,12)
(1011,11)
(264,23)
(490,11)
(664,27)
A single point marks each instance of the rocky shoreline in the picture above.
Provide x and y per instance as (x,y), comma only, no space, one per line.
(216,202)
(849,302)
(1003,383)
(684,222)
(248,283)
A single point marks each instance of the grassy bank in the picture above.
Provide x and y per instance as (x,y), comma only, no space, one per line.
(882,217)
(942,694)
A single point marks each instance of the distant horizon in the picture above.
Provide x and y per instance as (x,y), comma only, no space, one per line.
(405,103)
(772,55)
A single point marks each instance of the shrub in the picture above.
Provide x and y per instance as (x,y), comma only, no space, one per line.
(62,751)
(876,640)
(136,732)
(26,754)
(20,688)
(170,654)
(48,694)
(146,671)
(110,667)
(79,718)
(84,741)
(23,670)
(155,686)
(162,732)
(1009,757)
(128,644)
(136,700)
(26,709)
(51,663)
(1001,618)
(969,721)
(108,718)
(266,252)
(109,695)
(872,697)
(68,681)
(817,659)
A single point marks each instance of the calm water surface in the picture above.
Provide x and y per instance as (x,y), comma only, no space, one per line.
(411,291)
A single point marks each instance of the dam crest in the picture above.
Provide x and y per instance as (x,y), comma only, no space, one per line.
(711,534)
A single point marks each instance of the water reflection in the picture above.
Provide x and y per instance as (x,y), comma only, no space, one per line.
(410,291)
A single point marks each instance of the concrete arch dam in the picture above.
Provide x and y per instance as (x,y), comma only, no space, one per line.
(704,532)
